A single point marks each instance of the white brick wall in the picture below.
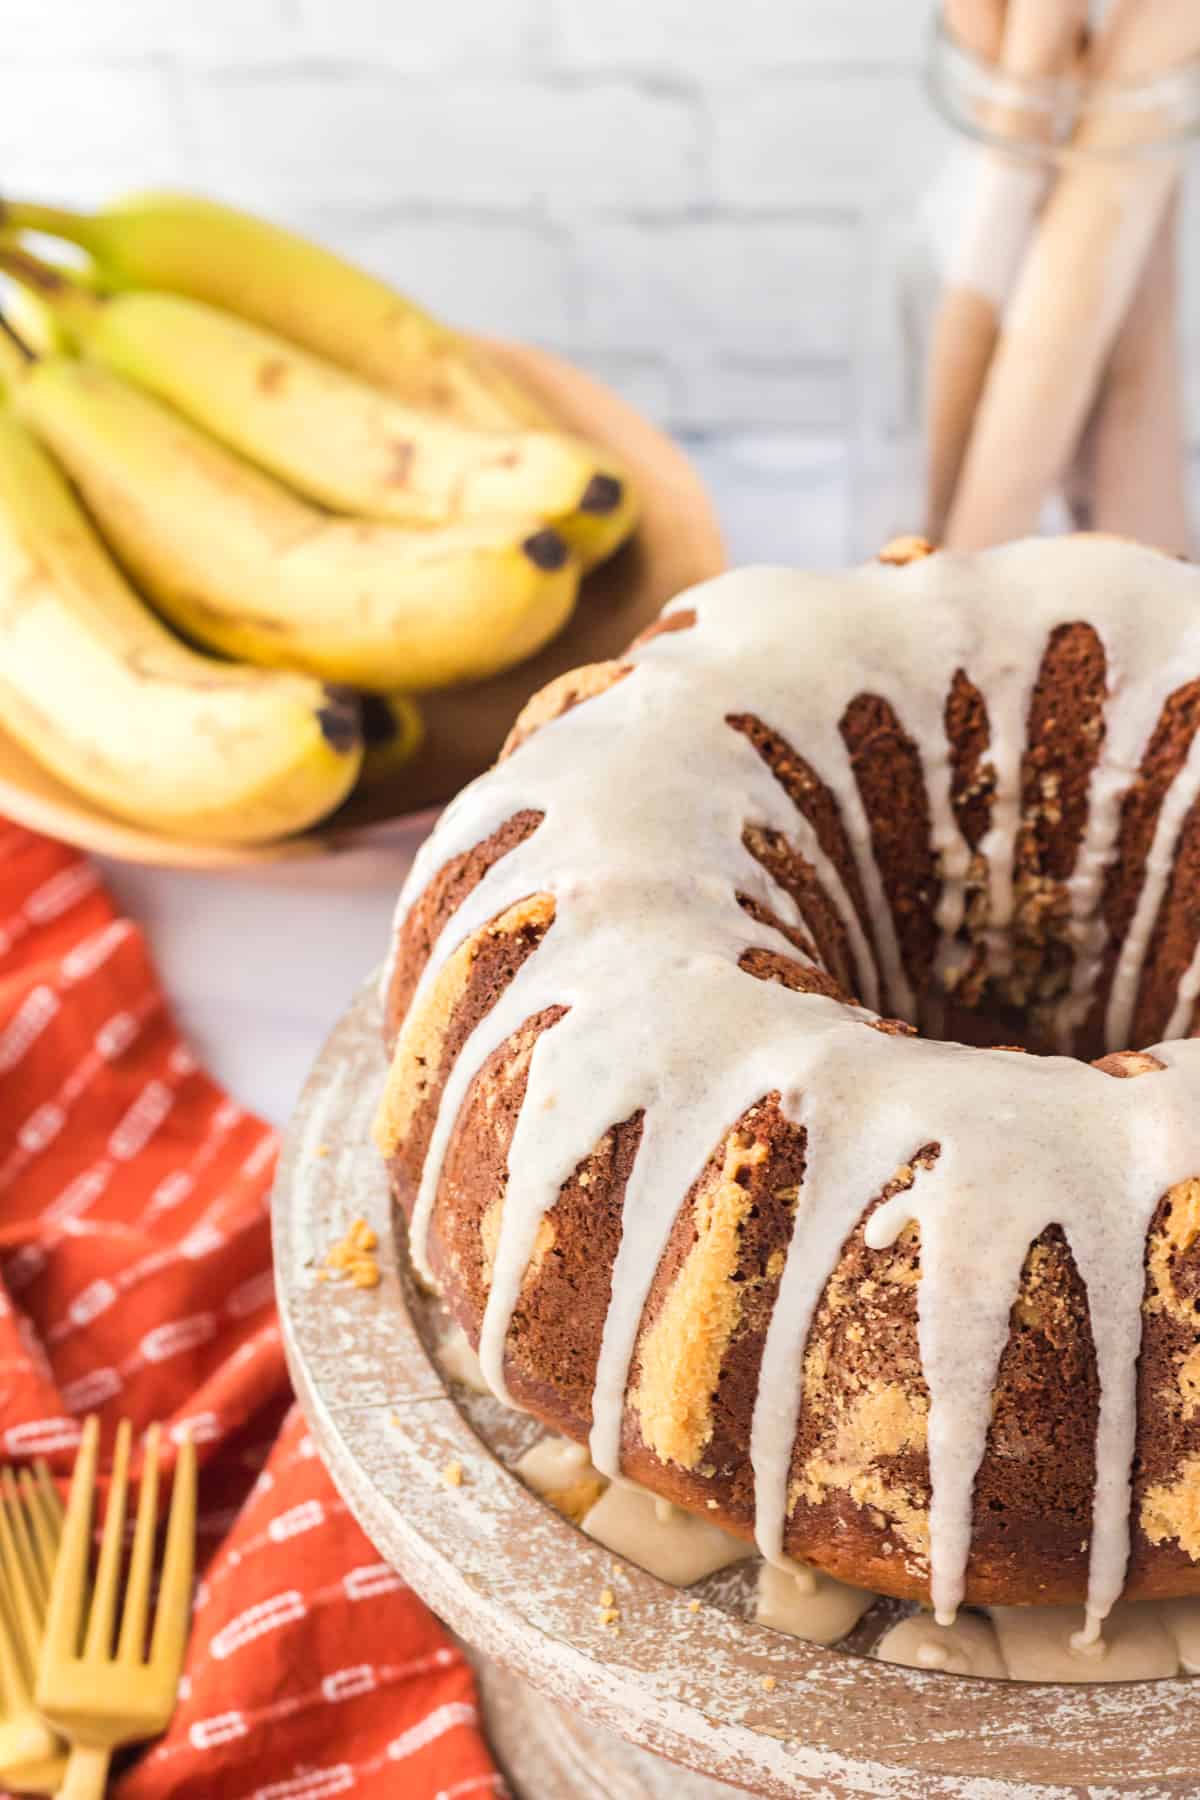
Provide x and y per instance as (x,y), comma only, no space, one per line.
(381,139)
(680,193)
(716,38)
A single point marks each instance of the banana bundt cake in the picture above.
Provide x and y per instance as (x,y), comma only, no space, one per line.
(767,1095)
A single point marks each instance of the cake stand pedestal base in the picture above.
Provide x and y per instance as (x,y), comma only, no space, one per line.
(550,1752)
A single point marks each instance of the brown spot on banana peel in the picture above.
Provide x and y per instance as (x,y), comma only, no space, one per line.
(24,590)
(340,719)
(546,550)
(400,472)
(601,495)
(272,375)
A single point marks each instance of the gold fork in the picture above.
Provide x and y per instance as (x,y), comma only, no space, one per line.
(31,1754)
(97,1696)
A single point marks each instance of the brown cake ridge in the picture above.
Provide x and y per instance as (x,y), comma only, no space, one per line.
(859,1488)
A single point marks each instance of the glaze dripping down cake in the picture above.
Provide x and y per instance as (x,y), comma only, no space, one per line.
(790,1084)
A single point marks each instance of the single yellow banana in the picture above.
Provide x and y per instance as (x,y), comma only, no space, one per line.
(276,278)
(241,565)
(96,689)
(330,435)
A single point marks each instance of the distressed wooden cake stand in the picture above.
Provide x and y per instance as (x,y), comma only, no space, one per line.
(520,1585)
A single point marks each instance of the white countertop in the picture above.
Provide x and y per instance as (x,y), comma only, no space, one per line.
(259,969)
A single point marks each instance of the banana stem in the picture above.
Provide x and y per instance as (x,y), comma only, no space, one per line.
(67,303)
(55,221)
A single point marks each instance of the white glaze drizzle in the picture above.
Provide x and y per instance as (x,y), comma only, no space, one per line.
(645,792)
(1129,707)
(1177,803)
(1180,1021)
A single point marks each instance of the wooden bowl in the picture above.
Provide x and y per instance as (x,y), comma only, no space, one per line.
(678,543)
(521,1584)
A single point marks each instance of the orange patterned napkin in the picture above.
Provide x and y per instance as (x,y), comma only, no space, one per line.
(135,1279)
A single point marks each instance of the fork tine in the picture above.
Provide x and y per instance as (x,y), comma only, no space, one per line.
(132,1645)
(52,1506)
(27,1545)
(25,1612)
(45,1536)
(97,1645)
(15,1678)
(65,1614)
(175,1588)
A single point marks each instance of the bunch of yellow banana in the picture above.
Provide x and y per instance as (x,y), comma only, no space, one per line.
(300,470)
(106,698)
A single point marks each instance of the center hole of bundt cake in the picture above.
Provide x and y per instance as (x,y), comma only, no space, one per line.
(955,998)
(988,968)
(995,962)
(1039,959)
(1022,1007)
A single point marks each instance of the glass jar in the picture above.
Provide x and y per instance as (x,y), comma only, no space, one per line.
(1020,363)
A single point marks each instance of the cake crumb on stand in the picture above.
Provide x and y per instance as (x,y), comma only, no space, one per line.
(353,1258)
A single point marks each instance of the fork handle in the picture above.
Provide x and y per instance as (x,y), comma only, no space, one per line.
(87,1774)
